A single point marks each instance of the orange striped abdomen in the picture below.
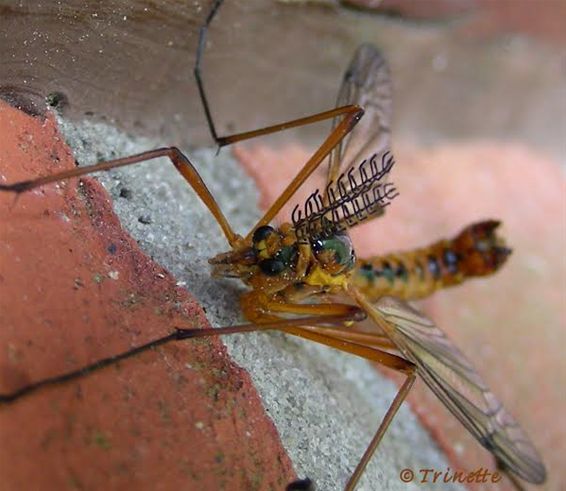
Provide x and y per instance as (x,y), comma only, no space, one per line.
(476,251)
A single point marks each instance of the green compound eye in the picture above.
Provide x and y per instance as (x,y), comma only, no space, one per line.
(287,254)
(335,253)
(286,257)
(271,267)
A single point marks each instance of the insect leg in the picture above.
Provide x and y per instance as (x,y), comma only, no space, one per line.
(294,123)
(369,353)
(179,160)
(402,393)
(332,337)
(349,334)
(385,422)
(197,71)
(352,115)
(355,336)
(227,140)
(179,334)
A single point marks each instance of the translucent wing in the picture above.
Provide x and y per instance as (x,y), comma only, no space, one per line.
(452,378)
(356,187)
(366,83)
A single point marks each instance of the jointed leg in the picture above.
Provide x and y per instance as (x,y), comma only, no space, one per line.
(227,140)
(334,337)
(352,314)
(335,315)
(372,354)
(355,336)
(385,422)
(200,51)
(250,302)
(179,160)
(351,115)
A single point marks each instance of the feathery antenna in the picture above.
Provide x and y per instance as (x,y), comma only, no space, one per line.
(356,196)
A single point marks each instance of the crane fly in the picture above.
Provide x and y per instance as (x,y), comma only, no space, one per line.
(296,270)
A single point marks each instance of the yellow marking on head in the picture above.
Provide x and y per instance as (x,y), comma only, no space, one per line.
(261,247)
(319,277)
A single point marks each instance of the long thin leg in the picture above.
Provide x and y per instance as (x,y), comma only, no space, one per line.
(294,123)
(179,160)
(251,301)
(334,337)
(385,422)
(347,315)
(367,339)
(227,140)
(392,361)
(351,113)
(197,72)
(351,117)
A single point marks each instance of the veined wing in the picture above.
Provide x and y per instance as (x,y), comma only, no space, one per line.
(449,374)
(356,188)
(366,83)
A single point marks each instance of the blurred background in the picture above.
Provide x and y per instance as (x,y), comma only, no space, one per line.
(462,68)
(479,100)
